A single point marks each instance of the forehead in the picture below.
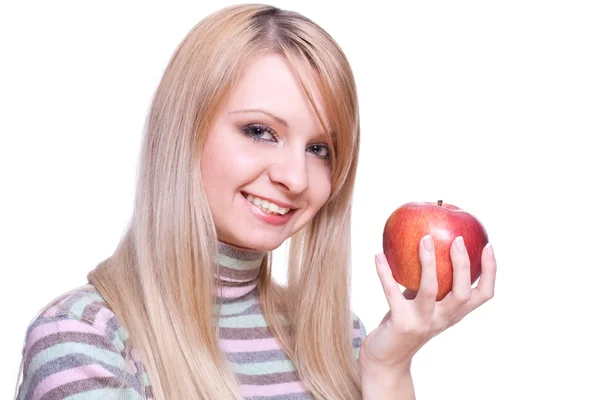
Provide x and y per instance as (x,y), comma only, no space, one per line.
(269,82)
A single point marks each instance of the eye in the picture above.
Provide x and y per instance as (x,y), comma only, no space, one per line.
(319,150)
(260,132)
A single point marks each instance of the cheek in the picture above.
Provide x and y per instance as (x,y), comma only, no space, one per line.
(320,186)
(211,173)
(227,163)
(214,166)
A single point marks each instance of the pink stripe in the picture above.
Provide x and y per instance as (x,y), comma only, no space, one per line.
(70,375)
(50,328)
(234,292)
(272,390)
(102,318)
(357,333)
(228,279)
(237,346)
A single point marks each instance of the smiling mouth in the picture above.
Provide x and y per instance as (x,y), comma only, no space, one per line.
(266,206)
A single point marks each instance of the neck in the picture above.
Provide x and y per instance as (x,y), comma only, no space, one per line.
(239,270)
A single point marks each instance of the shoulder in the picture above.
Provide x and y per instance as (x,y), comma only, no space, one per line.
(88,306)
(84,310)
(77,346)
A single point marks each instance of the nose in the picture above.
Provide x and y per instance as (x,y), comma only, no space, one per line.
(291,171)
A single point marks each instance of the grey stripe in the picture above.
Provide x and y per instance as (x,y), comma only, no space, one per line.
(256,357)
(82,386)
(113,332)
(149,394)
(240,254)
(268,379)
(244,333)
(251,283)
(77,360)
(91,310)
(239,274)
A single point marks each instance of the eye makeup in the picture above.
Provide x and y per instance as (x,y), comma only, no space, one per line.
(261,133)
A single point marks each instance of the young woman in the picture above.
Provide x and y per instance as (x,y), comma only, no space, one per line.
(252,138)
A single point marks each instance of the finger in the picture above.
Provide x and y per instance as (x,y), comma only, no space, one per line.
(393,295)
(428,286)
(484,290)
(487,281)
(461,275)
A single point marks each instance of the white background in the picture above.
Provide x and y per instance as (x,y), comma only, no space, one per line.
(491,106)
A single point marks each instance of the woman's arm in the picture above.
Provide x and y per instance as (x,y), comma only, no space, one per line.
(382,386)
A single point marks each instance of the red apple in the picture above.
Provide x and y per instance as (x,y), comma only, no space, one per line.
(444,222)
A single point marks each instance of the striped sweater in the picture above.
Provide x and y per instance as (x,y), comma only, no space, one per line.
(76,349)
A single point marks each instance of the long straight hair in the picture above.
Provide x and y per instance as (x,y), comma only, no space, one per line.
(161,278)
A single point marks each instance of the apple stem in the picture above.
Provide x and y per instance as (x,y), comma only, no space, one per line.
(440,202)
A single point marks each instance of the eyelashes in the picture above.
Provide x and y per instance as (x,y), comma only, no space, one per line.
(257,131)
(262,133)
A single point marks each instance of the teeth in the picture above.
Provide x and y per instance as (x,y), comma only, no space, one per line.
(267,206)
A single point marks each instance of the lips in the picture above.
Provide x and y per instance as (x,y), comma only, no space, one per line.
(268,217)
(266,205)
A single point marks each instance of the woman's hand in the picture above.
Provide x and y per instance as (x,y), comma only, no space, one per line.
(414,318)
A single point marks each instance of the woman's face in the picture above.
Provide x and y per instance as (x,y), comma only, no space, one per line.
(265,166)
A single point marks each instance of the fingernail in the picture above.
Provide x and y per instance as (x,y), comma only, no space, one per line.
(460,244)
(380,258)
(491,250)
(428,243)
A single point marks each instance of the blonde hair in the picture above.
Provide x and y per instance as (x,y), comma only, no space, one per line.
(160,279)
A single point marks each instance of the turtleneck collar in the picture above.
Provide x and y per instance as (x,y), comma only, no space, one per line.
(238,271)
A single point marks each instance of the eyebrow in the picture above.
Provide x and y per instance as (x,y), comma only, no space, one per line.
(257,110)
(275,117)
